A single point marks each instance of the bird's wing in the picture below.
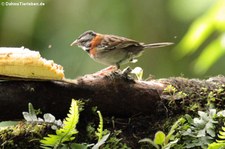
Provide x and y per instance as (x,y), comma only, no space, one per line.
(111,42)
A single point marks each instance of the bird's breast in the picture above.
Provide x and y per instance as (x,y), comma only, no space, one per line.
(96,41)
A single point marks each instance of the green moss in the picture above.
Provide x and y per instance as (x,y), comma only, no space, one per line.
(23,135)
(190,96)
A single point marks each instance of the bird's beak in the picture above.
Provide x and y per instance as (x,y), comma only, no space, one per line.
(74,43)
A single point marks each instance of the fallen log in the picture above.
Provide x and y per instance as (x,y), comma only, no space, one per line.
(113,94)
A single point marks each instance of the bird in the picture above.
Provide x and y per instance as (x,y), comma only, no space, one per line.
(112,49)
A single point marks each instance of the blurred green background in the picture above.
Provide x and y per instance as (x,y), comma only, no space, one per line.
(195,26)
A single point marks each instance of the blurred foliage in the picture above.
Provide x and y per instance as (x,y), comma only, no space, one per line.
(51,28)
(211,24)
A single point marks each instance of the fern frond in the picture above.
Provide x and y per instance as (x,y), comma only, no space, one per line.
(51,140)
(221,136)
(99,131)
(67,131)
(220,141)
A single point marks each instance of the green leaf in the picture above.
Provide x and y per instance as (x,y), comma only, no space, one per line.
(100,126)
(211,132)
(100,142)
(48,117)
(215,145)
(159,138)
(149,141)
(196,35)
(221,113)
(75,146)
(209,55)
(223,128)
(200,34)
(67,132)
(5,124)
(221,136)
(172,130)
(188,118)
(201,29)
(170,144)
(222,133)
(31,115)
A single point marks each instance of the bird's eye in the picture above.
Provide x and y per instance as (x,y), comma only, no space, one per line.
(92,33)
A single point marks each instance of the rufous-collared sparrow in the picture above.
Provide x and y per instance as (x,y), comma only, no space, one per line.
(111,49)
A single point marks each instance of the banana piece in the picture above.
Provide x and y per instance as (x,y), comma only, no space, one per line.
(24,63)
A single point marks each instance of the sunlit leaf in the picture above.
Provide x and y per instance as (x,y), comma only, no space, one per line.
(65,133)
(100,126)
(209,56)
(196,35)
(216,146)
(159,138)
(199,34)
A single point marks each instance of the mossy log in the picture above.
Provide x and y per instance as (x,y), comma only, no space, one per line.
(113,94)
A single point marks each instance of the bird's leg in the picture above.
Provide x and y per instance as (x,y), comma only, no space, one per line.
(126,71)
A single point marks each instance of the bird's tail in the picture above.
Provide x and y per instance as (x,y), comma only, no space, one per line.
(157,45)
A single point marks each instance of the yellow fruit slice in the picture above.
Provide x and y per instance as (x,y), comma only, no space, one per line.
(24,63)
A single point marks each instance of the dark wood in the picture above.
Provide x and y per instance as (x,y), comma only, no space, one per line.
(114,94)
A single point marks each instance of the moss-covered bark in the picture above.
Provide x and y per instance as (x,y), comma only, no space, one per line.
(148,106)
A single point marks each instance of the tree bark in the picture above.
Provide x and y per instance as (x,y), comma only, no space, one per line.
(114,94)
